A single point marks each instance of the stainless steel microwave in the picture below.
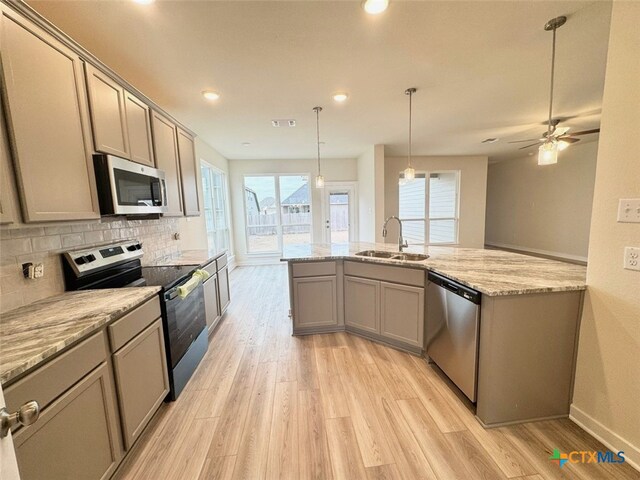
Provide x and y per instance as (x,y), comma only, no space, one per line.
(128,188)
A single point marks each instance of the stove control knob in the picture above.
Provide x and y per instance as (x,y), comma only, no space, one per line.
(138,246)
(79,261)
(132,248)
(90,258)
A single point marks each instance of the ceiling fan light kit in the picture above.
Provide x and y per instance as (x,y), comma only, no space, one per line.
(409,172)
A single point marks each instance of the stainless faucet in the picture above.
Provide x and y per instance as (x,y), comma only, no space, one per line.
(401,241)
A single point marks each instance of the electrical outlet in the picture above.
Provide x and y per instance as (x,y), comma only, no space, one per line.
(629,210)
(632,258)
(38,270)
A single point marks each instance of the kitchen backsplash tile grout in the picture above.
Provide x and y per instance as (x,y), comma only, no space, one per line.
(24,244)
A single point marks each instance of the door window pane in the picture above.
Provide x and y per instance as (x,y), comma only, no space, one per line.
(339,217)
(292,235)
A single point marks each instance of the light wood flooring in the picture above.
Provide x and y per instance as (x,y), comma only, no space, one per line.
(264,404)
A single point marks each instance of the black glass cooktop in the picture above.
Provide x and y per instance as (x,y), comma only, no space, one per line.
(166,277)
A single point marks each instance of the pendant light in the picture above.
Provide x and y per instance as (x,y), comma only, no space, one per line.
(319,177)
(409,172)
(548,151)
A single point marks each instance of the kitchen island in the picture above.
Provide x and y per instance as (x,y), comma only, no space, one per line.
(529,315)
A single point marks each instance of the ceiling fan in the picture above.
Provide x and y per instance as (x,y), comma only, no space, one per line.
(555,138)
(559,135)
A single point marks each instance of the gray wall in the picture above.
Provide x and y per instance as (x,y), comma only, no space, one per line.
(543,209)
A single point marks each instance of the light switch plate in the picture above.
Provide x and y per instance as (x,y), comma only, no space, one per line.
(632,258)
(629,210)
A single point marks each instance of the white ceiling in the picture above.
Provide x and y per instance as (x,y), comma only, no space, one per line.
(481,69)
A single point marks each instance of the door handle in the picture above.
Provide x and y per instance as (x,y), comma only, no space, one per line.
(26,415)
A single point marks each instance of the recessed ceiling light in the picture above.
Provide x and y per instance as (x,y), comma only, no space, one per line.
(374,7)
(210,95)
(281,122)
(490,140)
(340,97)
(144,2)
(245,144)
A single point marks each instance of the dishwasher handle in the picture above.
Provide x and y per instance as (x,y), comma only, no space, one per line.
(455,288)
(450,286)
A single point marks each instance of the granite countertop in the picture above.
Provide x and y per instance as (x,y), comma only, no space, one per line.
(33,333)
(187,257)
(492,272)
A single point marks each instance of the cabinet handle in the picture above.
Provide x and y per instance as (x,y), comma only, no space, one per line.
(26,415)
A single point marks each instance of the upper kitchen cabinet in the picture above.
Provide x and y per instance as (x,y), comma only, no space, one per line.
(187,152)
(108,115)
(165,144)
(8,203)
(120,120)
(48,123)
(139,129)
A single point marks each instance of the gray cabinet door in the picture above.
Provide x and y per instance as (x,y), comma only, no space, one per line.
(141,379)
(165,145)
(47,116)
(76,436)
(8,199)
(224,298)
(211,307)
(315,301)
(362,303)
(402,313)
(139,129)
(188,173)
(108,113)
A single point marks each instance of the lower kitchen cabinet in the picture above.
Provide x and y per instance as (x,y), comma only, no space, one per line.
(362,303)
(76,436)
(142,380)
(223,289)
(402,313)
(315,302)
(211,307)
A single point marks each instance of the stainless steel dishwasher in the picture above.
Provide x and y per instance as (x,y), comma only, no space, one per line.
(452,331)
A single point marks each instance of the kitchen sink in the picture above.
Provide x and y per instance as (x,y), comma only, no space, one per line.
(410,257)
(376,254)
(406,257)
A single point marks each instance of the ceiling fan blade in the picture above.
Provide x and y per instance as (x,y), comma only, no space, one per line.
(522,141)
(522,148)
(568,139)
(585,132)
(560,131)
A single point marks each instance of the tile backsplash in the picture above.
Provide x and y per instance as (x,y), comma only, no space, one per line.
(43,244)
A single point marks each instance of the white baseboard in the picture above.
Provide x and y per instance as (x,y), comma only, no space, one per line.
(546,253)
(607,436)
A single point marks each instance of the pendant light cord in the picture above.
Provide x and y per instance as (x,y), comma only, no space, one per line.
(553,67)
(410,102)
(318,109)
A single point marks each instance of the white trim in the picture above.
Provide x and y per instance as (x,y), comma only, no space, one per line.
(608,437)
(559,255)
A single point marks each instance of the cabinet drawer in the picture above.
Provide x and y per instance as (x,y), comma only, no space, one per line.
(211,268)
(123,330)
(314,269)
(222,261)
(387,273)
(50,381)
(76,437)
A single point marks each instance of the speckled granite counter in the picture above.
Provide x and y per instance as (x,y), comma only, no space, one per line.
(188,257)
(31,334)
(492,272)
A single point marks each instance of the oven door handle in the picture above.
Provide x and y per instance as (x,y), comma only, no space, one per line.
(196,279)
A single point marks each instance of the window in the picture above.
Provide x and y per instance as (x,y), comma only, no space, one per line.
(438,197)
(278,211)
(214,189)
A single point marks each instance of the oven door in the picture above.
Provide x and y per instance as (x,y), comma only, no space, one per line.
(133,188)
(185,320)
